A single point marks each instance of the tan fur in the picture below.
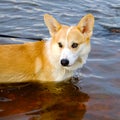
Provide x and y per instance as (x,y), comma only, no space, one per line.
(41,60)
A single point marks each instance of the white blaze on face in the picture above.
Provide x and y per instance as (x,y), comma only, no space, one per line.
(68,55)
(66,52)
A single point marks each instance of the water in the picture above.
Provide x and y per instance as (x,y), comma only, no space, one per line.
(96,96)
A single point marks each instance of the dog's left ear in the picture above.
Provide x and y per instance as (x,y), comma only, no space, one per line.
(52,24)
(86,25)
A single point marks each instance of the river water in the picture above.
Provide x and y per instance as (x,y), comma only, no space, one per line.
(96,96)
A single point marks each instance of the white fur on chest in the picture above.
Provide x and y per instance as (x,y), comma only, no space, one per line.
(61,74)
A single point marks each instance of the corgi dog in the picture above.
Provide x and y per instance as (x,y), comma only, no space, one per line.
(51,60)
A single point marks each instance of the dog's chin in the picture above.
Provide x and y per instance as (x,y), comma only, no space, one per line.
(73,67)
(70,68)
(77,64)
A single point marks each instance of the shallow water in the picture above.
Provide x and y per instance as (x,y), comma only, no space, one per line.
(96,96)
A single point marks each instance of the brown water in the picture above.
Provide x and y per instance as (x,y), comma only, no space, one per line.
(37,102)
(95,95)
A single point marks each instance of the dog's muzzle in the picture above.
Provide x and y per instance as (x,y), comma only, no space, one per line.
(64,62)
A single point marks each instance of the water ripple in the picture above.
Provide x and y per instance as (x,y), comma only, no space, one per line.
(101,73)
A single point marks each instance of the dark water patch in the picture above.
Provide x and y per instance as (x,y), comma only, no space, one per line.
(3,99)
(9,36)
(114,30)
(33,100)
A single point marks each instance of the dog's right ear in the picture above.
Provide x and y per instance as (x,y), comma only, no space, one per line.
(52,24)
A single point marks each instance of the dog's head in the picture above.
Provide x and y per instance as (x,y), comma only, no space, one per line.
(70,45)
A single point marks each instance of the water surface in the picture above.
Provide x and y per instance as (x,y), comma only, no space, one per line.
(96,95)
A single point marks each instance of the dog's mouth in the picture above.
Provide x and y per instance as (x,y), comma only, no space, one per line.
(69,67)
(66,64)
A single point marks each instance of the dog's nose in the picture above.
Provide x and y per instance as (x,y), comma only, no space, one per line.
(64,62)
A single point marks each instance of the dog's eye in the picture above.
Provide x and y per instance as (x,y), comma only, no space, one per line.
(74,45)
(60,45)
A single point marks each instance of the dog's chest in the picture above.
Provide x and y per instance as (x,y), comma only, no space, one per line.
(61,74)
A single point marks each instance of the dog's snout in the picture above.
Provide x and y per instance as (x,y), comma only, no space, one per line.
(64,62)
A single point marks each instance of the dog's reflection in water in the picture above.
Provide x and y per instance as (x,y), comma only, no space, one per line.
(31,101)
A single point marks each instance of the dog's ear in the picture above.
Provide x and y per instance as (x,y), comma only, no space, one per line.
(86,25)
(52,24)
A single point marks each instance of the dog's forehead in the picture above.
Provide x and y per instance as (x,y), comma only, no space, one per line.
(70,34)
(74,34)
